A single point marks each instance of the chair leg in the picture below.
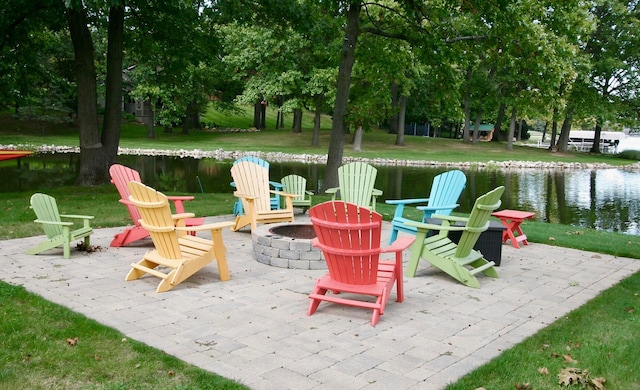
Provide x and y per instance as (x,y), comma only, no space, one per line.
(313,305)
(416,253)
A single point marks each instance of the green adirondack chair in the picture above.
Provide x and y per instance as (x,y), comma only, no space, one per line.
(443,198)
(460,261)
(58,232)
(295,184)
(357,180)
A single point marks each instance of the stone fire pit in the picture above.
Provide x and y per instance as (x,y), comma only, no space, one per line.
(287,245)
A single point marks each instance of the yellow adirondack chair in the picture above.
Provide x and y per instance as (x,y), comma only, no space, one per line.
(460,260)
(275,200)
(181,254)
(58,232)
(357,180)
(252,188)
(298,185)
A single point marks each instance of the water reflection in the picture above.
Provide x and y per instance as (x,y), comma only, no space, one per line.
(605,199)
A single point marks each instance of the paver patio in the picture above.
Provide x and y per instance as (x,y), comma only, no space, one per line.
(254,328)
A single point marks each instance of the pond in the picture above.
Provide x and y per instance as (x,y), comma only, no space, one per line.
(603,199)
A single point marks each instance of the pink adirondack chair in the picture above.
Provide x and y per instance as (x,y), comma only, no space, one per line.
(120,176)
(349,237)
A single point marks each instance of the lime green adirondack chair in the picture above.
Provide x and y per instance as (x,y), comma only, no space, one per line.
(58,232)
(460,261)
(357,180)
(443,198)
(297,185)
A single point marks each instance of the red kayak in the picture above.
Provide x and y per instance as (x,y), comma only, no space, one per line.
(11,154)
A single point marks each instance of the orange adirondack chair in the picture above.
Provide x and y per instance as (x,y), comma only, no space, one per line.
(349,237)
(120,176)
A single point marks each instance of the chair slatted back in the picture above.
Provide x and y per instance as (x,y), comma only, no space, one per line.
(349,237)
(295,184)
(357,180)
(478,220)
(46,209)
(120,176)
(445,191)
(156,218)
(252,179)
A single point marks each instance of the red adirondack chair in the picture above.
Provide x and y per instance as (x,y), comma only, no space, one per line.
(349,237)
(120,176)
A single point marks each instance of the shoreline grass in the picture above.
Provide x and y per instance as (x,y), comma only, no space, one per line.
(602,334)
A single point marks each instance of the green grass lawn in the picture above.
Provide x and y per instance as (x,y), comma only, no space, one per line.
(602,336)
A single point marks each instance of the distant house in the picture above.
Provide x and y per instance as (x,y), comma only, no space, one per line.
(485,132)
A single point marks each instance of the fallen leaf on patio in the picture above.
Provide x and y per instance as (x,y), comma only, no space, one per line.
(72,341)
(543,371)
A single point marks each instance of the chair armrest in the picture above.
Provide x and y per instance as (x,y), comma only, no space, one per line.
(451,218)
(332,191)
(276,186)
(407,201)
(308,192)
(283,194)
(400,244)
(428,226)
(73,216)
(53,223)
(376,192)
(177,201)
(442,207)
(245,196)
(179,216)
(209,226)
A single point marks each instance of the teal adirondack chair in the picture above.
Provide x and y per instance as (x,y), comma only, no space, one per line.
(295,184)
(443,198)
(275,200)
(357,180)
(460,261)
(58,232)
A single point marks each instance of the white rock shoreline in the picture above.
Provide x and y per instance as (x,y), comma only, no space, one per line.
(220,154)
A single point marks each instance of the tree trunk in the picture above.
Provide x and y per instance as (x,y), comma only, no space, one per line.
(563,139)
(401,116)
(91,148)
(343,84)
(113,95)
(467,109)
(497,130)
(297,120)
(512,128)
(554,130)
(357,139)
(315,140)
(257,112)
(393,121)
(519,136)
(476,126)
(595,148)
(191,117)
(152,121)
